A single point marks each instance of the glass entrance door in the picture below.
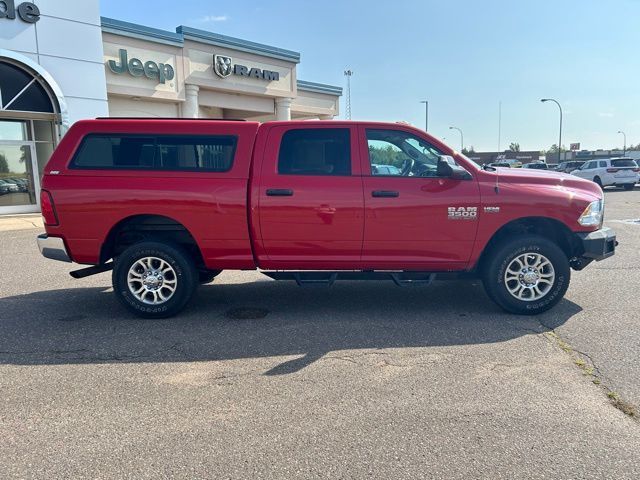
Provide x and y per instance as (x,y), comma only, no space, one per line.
(19,180)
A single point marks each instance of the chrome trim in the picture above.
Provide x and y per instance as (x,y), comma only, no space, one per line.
(53,248)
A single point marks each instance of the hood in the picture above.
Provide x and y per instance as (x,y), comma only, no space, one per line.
(531,177)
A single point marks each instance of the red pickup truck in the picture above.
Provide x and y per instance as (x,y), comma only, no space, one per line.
(168,204)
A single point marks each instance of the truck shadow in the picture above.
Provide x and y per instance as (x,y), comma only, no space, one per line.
(258,320)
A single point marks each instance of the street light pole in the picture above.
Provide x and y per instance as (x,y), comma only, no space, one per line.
(426,115)
(560,138)
(624,150)
(461,137)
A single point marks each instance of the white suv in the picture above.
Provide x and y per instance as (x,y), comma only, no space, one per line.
(611,172)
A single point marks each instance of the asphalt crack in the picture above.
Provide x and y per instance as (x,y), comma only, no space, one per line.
(590,368)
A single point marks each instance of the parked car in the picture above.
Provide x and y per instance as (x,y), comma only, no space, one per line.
(612,172)
(4,188)
(536,165)
(384,170)
(568,167)
(21,182)
(513,163)
(297,201)
(500,164)
(11,186)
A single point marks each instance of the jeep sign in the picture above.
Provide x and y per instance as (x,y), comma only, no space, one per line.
(159,71)
(27,11)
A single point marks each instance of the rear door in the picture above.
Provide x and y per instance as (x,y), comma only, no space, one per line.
(413,218)
(310,198)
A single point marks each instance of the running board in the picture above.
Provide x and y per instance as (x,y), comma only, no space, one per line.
(401,279)
(87,272)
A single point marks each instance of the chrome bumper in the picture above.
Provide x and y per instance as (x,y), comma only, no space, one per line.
(53,248)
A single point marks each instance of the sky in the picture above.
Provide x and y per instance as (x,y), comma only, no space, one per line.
(463,56)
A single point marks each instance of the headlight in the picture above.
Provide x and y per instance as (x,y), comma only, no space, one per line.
(593,214)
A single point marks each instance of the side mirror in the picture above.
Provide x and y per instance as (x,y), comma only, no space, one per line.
(448,168)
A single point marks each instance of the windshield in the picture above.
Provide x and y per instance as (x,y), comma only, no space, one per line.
(623,163)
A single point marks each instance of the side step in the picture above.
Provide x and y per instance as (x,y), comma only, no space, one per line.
(87,272)
(401,279)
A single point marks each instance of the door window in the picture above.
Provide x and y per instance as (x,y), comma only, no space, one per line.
(315,151)
(398,153)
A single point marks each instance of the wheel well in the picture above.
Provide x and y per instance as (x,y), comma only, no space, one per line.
(139,228)
(551,229)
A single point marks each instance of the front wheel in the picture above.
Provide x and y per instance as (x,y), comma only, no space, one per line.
(598,181)
(154,280)
(527,275)
(629,186)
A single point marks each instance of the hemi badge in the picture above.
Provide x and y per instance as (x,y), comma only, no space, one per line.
(491,209)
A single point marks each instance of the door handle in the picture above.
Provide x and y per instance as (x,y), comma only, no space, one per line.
(385,193)
(279,192)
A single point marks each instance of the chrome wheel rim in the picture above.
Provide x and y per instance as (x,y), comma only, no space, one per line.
(152,280)
(529,277)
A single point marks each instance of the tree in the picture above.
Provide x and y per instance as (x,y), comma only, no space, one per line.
(4,165)
(468,151)
(514,147)
(554,149)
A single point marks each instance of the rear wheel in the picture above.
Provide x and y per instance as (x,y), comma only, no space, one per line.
(154,280)
(527,275)
(629,187)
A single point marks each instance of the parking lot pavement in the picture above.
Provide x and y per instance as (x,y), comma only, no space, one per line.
(265,379)
(607,328)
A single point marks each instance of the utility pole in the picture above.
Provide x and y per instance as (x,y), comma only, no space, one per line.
(624,150)
(499,124)
(348,74)
(560,139)
(461,137)
(426,115)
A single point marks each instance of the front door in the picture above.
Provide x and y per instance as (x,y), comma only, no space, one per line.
(414,219)
(19,180)
(310,198)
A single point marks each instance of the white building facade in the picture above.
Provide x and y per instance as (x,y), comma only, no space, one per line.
(61,62)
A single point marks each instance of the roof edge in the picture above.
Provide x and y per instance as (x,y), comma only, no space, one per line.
(119,27)
(319,88)
(219,40)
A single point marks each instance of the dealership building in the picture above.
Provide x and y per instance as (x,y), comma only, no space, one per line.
(61,62)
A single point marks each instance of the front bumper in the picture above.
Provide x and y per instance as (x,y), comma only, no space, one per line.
(598,245)
(53,248)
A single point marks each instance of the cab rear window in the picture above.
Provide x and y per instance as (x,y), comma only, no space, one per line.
(156,152)
(623,163)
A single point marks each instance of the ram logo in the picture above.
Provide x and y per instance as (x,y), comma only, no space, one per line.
(463,213)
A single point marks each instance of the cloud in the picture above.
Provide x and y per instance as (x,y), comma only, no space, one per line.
(213,18)
(605,114)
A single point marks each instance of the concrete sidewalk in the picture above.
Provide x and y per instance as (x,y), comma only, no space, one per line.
(20,222)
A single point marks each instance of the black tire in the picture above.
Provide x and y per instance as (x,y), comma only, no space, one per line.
(207,276)
(629,187)
(184,272)
(500,258)
(598,181)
